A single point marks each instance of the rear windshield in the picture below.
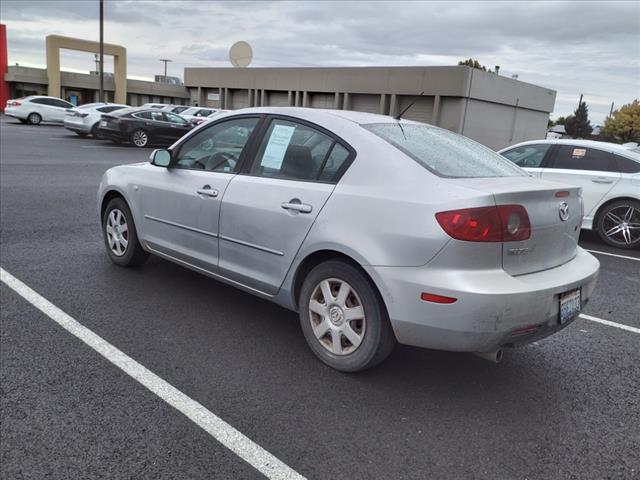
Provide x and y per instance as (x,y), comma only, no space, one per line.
(445,153)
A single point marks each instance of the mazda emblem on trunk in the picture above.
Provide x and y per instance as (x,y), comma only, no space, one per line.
(564,211)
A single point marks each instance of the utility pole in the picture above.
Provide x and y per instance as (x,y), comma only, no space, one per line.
(165,60)
(96,59)
(101,73)
(611,111)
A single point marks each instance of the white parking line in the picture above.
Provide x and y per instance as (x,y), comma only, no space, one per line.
(244,447)
(613,255)
(621,326)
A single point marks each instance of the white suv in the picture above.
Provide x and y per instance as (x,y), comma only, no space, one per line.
(609,175)
(36,109)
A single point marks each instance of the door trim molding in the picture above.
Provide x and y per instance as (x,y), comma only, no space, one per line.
(179,225)
(252,245)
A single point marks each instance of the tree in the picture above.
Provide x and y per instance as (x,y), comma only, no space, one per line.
(470,62)
(578,125)
(624,124)
(562,120)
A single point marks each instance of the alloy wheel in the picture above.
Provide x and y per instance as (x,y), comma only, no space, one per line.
(337,316)
(621,225)
(140,138)
(117,232)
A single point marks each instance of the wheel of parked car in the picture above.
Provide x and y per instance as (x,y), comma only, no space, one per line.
(343,317)
(94,131)
(120,235)
(619,224)
(34,118)
(139,138)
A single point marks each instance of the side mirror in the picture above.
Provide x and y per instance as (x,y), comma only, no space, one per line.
(160,157)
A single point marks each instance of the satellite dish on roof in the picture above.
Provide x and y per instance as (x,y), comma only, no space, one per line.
(240,54)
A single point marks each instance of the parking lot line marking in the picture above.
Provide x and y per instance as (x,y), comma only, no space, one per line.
(621,326)
(238,443)
(613,254)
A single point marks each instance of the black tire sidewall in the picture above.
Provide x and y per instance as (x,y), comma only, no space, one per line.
(635,204)
(129,257)
(140,130)
(370,351)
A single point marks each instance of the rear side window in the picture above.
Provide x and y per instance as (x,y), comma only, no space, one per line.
(334,163)
(293,151)
(527,155)
(444,153)
(573,157)
(627,165)
(143,115)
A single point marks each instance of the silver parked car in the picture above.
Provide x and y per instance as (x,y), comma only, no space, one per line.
(374,230)
(609,175)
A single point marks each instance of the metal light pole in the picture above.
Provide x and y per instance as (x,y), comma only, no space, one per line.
(165,60)
(101,73)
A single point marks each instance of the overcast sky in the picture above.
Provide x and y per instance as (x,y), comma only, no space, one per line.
(572,47)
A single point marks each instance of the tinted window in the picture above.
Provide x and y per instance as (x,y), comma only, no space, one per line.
(291,150)
(60,103)
(179,109)
(203,113)
(109,109)
(170,117)
(157,116)
(527,155)
(218,147)
(445,153)
(143,115)
(332,166)
(580,158)
(41,101)
(627,165)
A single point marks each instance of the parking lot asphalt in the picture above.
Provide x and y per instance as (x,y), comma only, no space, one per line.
(565,407)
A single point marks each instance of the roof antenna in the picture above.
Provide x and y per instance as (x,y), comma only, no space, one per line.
(399,116)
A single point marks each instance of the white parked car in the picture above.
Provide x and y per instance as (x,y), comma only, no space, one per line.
(197,114)
(36,109)
(609,175)
(84,119)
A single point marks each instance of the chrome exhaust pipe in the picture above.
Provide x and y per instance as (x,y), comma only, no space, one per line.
(494,357)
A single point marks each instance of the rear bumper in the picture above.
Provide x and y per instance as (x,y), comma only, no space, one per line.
(491,303)
(77,126)
(15,113)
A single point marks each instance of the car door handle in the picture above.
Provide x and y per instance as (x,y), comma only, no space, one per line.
(297,206)
(208,191)
(601,180)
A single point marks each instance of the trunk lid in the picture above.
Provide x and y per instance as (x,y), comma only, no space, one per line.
(555,214)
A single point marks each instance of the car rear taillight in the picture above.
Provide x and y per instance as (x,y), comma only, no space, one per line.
(81,115)
(13,103)
(502,223)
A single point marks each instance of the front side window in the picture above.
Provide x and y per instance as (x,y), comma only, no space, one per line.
(175,119)
(444,153)
(143,115)
(203,113)
(527,156)
(573,157)
(157,116)
(291,150)
(61,103)
(217,148)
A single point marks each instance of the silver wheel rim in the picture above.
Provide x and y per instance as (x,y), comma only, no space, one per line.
(337,316)
(140,138)
(117,232)
(621,225)
(34,118)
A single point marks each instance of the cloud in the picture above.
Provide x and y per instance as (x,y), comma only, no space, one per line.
(573,47)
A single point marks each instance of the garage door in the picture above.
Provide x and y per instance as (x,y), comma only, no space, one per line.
(322,100)
(421,111)
(279,99)
(239,99)
(365,103)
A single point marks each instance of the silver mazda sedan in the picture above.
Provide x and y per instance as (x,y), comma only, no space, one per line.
(374,230)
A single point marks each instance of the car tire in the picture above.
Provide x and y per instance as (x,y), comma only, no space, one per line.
(94,131)
(139,138)
(358,318)
(619,224)
(34,118)
(120,235)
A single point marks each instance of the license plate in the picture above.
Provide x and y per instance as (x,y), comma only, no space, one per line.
(570,304)
(103,123)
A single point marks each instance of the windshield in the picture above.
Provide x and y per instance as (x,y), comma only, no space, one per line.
(445,153)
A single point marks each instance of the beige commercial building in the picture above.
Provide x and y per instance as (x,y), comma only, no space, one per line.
(494,110)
